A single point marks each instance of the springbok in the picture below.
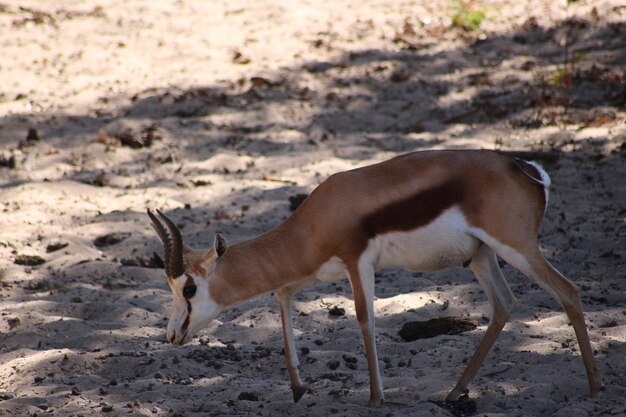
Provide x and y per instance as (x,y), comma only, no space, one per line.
(421,211)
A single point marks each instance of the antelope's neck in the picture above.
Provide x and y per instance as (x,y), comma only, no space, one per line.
(263,264)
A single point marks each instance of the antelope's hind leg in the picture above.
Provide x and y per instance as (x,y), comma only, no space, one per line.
(532,263)
(485,266)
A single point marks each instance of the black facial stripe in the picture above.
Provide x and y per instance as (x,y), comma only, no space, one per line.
(189,290)
(186,322)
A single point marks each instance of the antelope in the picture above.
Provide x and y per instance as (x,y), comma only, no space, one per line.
(421,211)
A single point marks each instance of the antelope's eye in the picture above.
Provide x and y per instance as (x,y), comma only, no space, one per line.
(189,291)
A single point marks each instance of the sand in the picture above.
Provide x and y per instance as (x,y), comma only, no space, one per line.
(218,112)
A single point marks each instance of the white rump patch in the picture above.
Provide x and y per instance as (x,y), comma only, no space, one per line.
(545,179)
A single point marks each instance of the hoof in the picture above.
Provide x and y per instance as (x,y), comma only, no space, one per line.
(298,392)
(456,393)
(595,393)
(463,406)
(374,402)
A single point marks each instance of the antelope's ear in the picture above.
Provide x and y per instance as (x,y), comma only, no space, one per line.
(220,245)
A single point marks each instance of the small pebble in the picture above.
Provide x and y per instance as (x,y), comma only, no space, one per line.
(337,311)
(32,135)
(6,396)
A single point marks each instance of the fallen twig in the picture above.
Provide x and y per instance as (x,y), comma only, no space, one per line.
(271,179)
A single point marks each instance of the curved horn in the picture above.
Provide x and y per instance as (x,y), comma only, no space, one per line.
(165,239)
(177,267)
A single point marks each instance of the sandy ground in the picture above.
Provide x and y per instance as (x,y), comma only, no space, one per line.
(217,112)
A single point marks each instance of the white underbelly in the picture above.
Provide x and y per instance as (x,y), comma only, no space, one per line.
(442,243)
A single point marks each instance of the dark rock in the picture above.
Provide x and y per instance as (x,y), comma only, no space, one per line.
(426,329)
(13,322)
(337,311)
(7,160)
(351,361)
(261,82)
(239,58)
(29,260)
(130,138)
(336,376)
(129,262)
(399,75)
(4,396)
(53,247)
(110,239)
(261,352)
(214,357)
(248,396)
(201,183)
(32,135)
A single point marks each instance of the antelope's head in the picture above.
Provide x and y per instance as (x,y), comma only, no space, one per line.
(188,274)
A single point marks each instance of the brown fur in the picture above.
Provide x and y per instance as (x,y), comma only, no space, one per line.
(376,199)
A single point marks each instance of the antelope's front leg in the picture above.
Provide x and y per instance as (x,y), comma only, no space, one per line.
(291,357)
(362,282)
